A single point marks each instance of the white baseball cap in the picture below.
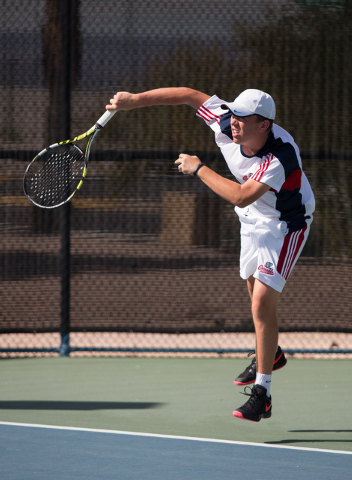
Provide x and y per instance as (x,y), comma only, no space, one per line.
(252,102)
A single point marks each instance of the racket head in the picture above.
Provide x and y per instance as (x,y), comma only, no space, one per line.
(54,175)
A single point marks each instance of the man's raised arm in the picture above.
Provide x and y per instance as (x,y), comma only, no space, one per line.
(160,96)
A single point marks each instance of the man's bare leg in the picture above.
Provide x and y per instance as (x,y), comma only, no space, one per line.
(250,284)
(264,308)
(248,376)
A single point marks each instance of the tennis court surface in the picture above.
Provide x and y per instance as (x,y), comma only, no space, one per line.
(170,418)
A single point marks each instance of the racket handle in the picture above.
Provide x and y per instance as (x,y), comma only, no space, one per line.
(103,120)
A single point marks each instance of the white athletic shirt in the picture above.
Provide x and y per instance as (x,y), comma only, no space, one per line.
(290,200)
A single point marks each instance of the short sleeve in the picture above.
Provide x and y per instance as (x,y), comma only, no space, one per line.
(212,113)
(270,172)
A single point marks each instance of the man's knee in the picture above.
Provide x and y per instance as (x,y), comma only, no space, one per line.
(264,301)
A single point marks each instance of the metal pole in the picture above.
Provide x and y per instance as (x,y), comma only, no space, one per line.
(65,217)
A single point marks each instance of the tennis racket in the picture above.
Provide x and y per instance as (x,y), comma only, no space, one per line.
(57,172)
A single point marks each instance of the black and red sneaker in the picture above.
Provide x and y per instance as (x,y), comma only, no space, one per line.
(257,407)
(248,376)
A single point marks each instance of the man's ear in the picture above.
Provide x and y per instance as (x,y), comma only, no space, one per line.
(265,124)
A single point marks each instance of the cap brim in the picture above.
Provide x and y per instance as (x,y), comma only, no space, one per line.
(232,107)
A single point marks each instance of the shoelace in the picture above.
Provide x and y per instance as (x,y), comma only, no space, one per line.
(248,394)
(250,353)
(251,395)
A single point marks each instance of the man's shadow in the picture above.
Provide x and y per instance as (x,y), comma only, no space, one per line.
(317,440)
(76,406)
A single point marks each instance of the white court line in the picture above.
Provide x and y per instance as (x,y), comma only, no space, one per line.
(173,437)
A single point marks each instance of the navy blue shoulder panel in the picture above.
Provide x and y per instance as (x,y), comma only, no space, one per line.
(288,199)
(225,124)
(284,152)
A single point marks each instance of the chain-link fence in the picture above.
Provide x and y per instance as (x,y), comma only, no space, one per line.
(153,255)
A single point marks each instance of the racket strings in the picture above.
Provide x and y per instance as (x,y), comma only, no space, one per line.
(54,176)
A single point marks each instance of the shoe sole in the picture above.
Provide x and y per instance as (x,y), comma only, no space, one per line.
(252,381)
(241,417)
(242,383)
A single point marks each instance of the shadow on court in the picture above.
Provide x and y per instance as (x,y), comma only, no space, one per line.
(79,406)
(315,440)
(320,431)
(291,441)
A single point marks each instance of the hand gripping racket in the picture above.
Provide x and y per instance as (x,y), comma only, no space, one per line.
(58,171)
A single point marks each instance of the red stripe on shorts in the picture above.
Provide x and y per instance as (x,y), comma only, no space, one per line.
(292,244)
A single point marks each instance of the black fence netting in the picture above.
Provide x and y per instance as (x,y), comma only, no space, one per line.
(142,248)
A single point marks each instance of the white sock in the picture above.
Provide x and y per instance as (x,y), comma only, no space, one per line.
(264,381)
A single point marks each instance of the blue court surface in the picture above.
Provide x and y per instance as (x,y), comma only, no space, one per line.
(45,452)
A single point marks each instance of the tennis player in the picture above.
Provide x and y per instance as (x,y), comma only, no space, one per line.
(274,203)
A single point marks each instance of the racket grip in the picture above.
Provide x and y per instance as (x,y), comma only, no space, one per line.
(103,120)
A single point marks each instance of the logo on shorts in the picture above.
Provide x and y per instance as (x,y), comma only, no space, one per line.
(267,268)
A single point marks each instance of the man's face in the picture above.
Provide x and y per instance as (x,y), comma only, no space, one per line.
(245,129)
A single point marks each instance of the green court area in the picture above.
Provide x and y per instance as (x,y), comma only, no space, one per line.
(191,397)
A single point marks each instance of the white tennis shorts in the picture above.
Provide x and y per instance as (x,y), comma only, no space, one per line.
(269,254)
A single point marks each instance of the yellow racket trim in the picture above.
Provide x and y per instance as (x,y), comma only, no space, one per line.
(80,137)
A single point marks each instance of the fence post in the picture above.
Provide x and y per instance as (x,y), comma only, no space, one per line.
(65,132)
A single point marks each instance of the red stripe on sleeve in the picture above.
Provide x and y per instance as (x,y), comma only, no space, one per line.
(200,114)
(262,168)
(207,115)
(209,112)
